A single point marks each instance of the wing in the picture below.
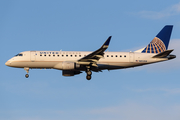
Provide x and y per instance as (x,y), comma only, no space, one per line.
(93,57)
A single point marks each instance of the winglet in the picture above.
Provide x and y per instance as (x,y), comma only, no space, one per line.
(106,44)
(96,55)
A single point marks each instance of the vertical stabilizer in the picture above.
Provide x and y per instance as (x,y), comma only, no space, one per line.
(160,42)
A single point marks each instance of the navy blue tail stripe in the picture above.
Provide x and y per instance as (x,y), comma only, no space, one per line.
(165,34)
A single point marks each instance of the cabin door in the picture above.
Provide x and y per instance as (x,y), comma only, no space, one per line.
(33,56)
(131,57)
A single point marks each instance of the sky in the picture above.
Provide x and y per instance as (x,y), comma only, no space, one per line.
(150,92)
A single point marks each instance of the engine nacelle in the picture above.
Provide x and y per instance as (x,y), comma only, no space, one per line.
(70,72)
(67,66)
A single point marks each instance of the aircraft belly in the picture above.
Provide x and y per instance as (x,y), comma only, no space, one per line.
(119,65)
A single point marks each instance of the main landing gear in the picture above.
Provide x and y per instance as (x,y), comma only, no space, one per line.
(89,73)
(27,70)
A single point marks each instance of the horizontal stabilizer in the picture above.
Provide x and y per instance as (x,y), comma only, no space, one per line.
(163,54)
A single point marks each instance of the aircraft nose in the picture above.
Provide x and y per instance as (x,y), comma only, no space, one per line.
(8,63)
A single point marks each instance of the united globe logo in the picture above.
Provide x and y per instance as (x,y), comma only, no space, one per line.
(155,46)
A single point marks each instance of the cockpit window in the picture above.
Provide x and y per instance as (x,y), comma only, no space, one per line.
(19,54)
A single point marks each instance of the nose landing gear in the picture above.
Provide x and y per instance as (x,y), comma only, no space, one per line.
(27,70)
(27,75)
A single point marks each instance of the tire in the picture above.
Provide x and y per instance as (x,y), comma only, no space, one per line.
(26,75)
(88,77)
(89,73)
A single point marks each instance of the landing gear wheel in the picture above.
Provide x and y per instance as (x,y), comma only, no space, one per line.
(27,75)
(27,70)
(89,73)
(88,77)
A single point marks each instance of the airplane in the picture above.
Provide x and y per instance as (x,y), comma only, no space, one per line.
(75,62)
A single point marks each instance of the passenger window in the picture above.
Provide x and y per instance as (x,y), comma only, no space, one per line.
(40,55)
(53,55)
(58,55)
(71,55)
(79,55)
(49,55)
(66,55)
(124,55)
(116,55)
(62,55)
(75,55)
(107,55)
(44,55)
(111,55)
(120,55)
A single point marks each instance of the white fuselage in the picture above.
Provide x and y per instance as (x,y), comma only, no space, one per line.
(74,62)
(111,60)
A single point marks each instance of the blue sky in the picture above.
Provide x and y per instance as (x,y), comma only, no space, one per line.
(143,93)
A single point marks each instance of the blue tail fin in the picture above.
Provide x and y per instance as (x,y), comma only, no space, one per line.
(160,42)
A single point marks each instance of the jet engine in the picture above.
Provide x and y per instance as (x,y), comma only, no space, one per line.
(67,65)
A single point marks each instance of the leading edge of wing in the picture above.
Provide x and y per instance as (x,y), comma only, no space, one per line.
(96,55)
